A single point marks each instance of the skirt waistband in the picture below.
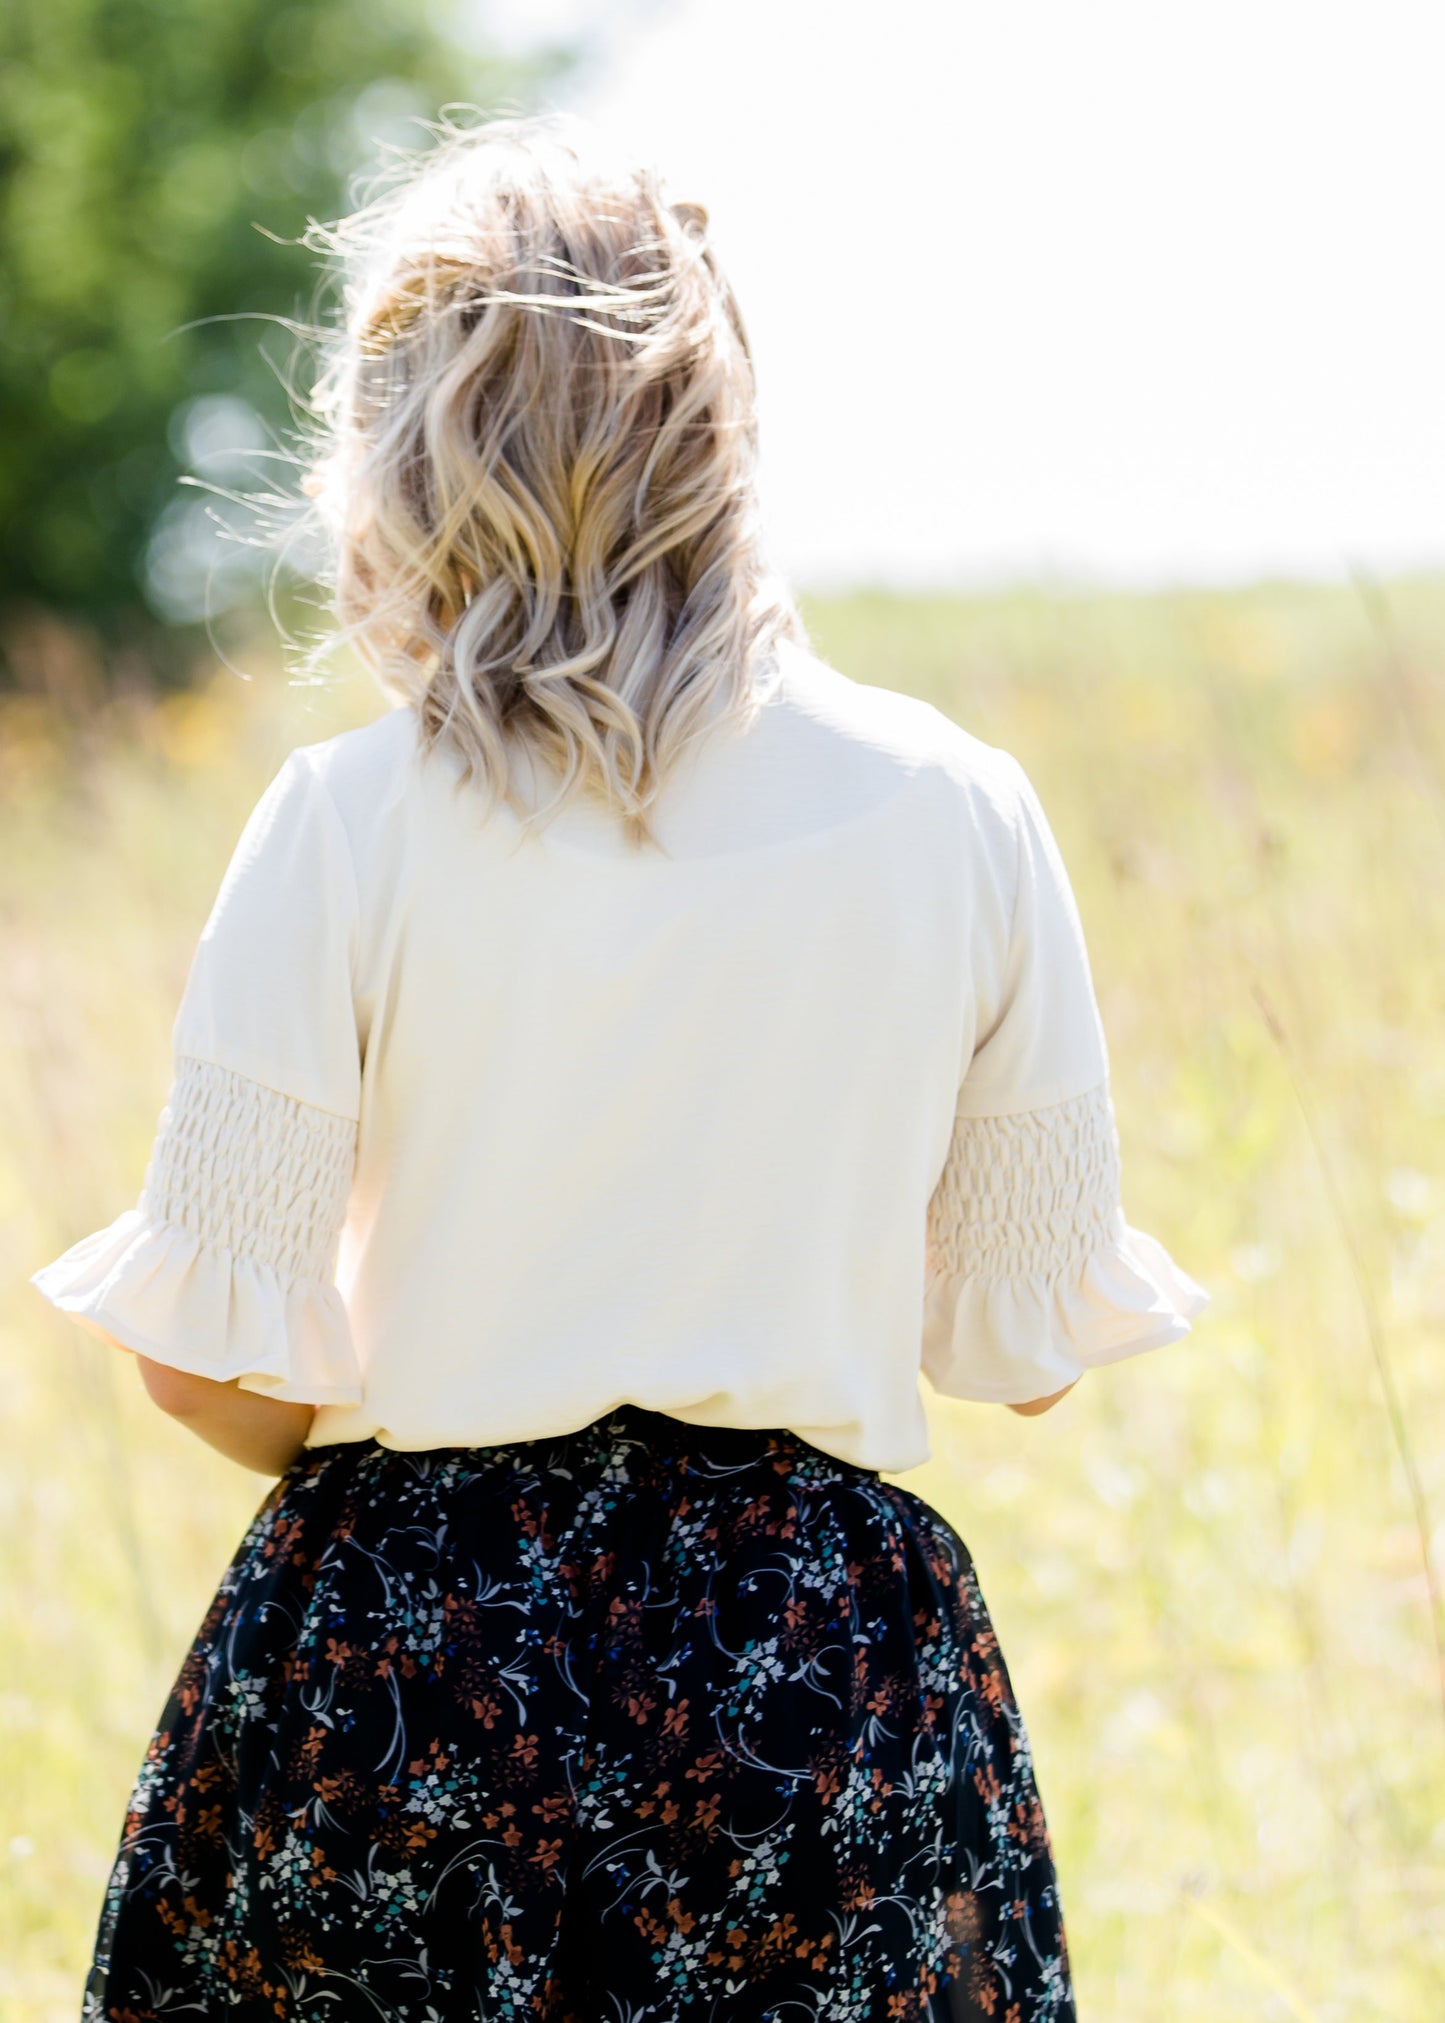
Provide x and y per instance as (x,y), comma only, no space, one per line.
(666,1438)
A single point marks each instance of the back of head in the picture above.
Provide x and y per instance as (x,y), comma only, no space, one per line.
(534,457)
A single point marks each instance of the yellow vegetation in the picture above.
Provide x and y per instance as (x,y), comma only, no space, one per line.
(1209,1567)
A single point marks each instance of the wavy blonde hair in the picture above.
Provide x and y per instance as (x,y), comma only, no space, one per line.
(532,446)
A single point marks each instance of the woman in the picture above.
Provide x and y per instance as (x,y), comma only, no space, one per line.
(605,1084)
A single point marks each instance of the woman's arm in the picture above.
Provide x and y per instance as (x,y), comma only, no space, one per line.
(1033,1406)
(265,1434)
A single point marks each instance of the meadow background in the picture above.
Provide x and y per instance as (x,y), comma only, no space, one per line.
(1215,1569)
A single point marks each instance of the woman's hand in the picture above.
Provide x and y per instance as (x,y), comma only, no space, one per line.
(1033,1406)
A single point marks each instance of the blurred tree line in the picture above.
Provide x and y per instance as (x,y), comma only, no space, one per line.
(142,144)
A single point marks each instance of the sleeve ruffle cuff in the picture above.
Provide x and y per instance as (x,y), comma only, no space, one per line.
(224,1268)
(168,1295)
(1009,1339)
(1034,1276)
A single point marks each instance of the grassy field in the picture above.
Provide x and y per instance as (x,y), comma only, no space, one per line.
(1215,1570)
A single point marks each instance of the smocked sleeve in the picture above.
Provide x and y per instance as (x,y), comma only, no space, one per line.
(1033,1273)
(225,1266)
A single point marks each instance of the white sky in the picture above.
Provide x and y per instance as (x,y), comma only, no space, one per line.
(1111,289)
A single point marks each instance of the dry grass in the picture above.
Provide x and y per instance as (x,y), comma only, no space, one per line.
(1210,1568)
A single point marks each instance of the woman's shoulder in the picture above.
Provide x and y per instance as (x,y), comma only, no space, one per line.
(366,757)
(906,731)
(363,774)
(364,771)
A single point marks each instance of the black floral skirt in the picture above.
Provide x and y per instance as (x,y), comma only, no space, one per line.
(646,1721)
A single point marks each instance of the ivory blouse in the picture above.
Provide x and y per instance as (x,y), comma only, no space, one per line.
(475,1133)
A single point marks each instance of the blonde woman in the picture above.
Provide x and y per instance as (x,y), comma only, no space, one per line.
(606,1085)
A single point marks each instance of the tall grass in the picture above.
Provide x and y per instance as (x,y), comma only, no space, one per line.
(1216,1570)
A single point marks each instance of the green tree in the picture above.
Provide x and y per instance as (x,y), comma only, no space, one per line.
(142,144)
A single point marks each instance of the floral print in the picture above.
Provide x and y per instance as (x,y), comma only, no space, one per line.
(640,1722)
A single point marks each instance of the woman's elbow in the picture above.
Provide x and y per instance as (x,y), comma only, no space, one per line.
(176,1392)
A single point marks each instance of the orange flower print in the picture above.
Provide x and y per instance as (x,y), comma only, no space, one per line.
(739,1699)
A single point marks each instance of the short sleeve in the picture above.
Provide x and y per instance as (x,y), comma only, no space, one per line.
(1033,1273)
(226,1265)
